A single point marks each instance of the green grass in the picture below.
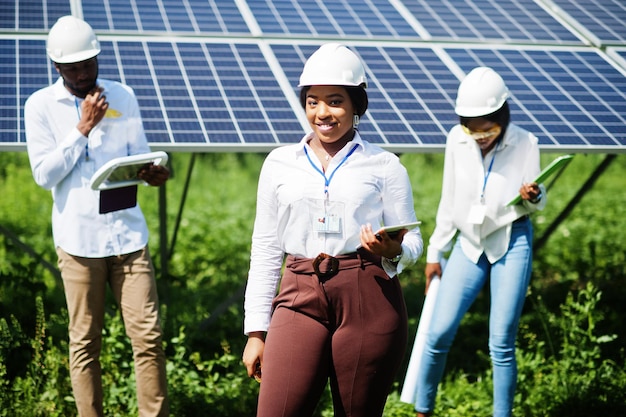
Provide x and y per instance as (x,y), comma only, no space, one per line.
(569,358)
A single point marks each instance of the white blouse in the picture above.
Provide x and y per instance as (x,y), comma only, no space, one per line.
(467,176)
(303,211)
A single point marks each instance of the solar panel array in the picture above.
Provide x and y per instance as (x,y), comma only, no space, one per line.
(222,74)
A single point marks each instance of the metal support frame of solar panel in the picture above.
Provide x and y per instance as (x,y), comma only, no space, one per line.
(618,54)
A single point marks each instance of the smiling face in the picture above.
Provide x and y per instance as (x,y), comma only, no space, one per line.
(330,113)
(80,77)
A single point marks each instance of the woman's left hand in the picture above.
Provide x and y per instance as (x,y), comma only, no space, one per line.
(380,243)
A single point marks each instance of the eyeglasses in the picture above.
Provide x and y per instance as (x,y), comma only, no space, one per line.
(493,131)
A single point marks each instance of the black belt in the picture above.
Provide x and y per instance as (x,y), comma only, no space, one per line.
(522,219)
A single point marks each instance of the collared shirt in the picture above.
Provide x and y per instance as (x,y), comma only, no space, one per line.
(63,161)
(369,185)
(465,174)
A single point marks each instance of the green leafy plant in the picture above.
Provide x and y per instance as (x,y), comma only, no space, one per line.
(569,360)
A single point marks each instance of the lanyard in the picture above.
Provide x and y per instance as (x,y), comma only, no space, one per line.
(482,193)
(328,179)
(86,144)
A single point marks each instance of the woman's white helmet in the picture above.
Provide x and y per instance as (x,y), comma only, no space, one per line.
(333,64)
(481,92)
(71,40)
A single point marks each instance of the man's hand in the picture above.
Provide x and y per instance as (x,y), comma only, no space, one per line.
(155,175)
(93,109)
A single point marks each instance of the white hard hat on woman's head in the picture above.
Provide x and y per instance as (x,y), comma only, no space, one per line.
(333,64)
(481,92)
(71,40)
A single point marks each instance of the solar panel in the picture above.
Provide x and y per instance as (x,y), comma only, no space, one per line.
(603,20)
(490,21)
(222,74)
(369,19)
(27,15)
(195,16)
(571,98)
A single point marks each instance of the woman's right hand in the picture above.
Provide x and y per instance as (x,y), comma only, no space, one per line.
(253,353)
(432,270)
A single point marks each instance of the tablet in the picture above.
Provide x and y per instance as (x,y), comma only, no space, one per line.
(555,166)
(392,230)
(122,172)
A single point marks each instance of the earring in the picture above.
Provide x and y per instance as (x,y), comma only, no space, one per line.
(355,121)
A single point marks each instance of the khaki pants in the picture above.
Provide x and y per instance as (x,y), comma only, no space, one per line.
(131,278)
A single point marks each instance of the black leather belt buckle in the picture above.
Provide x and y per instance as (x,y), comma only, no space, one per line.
(333,265)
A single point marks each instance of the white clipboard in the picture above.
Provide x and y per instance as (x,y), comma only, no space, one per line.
(122,172)
(409,388)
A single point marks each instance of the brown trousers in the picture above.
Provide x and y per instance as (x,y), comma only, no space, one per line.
(350,328)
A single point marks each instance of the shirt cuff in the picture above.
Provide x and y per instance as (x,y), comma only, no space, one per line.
(433,255)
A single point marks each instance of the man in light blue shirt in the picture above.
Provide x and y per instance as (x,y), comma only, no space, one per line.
(73,128)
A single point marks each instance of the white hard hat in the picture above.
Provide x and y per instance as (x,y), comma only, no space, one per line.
(71,40)
(481,92)
(333,64)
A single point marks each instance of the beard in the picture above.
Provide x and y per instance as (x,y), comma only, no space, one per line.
(83,87)
(80,89)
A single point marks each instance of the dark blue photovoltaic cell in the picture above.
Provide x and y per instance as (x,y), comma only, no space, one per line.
(195,16)
(8,95)
(489,20)
(33,69)
(606,19)
(32,14)
(377,18)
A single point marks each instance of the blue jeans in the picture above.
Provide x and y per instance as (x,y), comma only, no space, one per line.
(461,282)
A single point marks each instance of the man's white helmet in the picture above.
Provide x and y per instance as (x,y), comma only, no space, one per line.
(481,92)
(71,40)
(333,64)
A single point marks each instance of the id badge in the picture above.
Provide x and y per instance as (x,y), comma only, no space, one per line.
(328,218)
(477,213)
(328,223)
